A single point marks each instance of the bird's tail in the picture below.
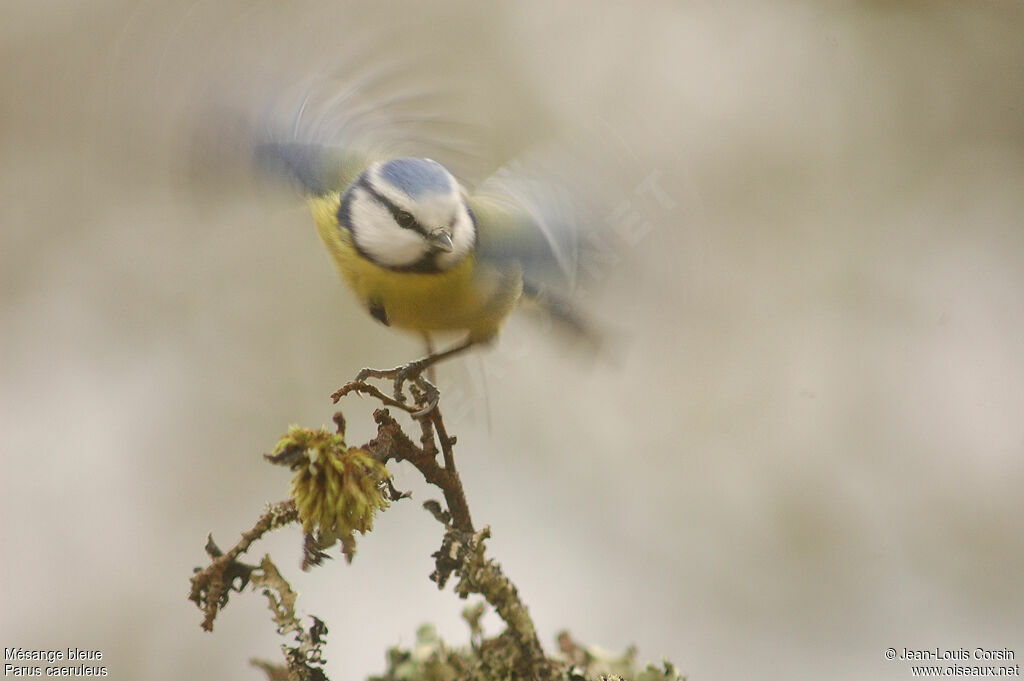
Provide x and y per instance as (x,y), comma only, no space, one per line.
(564,316)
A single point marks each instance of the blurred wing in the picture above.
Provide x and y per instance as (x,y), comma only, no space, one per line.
(527,215)
(316,169)
(545,211)
(543,206)
(322,133)
(323,137)
(530,220)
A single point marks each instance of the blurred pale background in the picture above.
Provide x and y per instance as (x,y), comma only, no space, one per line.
(807,449)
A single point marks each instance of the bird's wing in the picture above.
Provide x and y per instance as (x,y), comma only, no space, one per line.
(324,133)
(531,220)
(315,168)
(320,138)
(526,216)
(550,210)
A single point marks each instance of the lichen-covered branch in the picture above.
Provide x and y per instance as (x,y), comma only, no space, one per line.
(335,492)
(303,661)
(211,585)
(392,443)
(463,553)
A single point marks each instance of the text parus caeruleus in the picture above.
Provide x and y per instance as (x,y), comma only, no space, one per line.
(424,254)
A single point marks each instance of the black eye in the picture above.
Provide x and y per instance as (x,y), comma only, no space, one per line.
(404,219)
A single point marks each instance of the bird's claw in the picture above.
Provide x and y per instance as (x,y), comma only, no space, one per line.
(408,373)
(370,373)
(427,396)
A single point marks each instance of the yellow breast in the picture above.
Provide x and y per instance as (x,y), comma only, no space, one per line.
(471,296)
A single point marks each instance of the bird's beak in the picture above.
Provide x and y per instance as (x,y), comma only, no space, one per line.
(441,240)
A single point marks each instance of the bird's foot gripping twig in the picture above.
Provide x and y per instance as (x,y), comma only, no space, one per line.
(425,394)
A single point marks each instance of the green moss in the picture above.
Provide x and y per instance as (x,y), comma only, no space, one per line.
(337,489)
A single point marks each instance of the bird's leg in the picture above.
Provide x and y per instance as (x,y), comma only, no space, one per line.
(428,343)
(412,372)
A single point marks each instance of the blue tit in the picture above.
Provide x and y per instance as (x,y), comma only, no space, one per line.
(404,238)
(422,253)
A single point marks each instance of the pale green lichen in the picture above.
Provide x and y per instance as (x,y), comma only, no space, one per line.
(496,659)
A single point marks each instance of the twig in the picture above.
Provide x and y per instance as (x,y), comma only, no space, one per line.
(372,390)
(392,443)
(464,554)
(210,586)
(462,551)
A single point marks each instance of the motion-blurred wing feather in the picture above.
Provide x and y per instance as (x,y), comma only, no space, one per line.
(528,220)
(316,169)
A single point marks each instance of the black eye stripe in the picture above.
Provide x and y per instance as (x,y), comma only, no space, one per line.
(404,218)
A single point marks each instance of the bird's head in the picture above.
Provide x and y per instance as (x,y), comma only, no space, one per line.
(409,214)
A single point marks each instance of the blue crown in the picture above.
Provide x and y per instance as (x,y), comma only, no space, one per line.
(417,176)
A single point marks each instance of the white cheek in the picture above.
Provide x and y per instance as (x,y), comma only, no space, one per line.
(377,235)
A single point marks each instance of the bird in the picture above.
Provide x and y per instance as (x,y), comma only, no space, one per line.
(422,252)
